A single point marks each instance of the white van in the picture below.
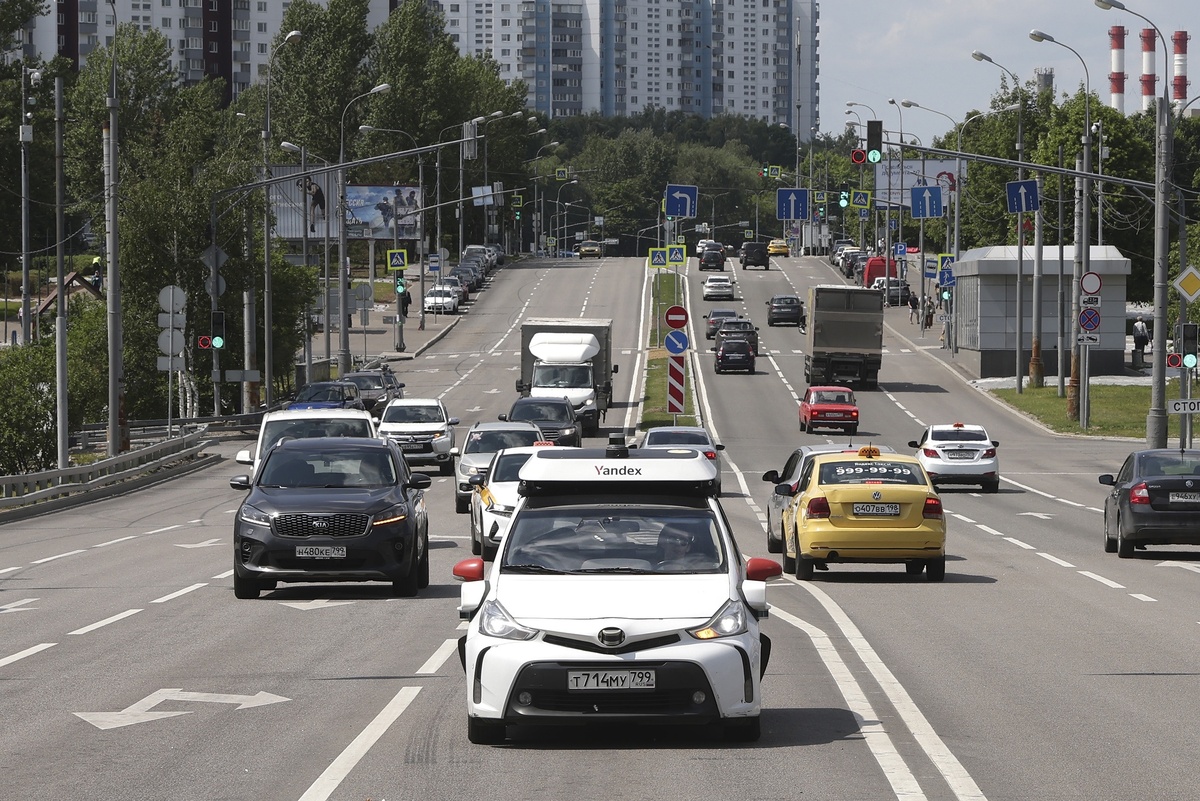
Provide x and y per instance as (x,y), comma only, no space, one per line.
(301,423)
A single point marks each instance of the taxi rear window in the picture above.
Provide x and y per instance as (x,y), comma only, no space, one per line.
(870,471)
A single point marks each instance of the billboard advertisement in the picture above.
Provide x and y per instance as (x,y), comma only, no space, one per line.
(383,212)
(895,188)
(372,212)
(292,198)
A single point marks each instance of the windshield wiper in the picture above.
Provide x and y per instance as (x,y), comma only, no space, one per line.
(530,569)
(638,570)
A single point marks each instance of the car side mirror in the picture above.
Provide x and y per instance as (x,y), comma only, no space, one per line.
(719,447)
(995,443)
(614,369)
(453,421)
(772,476)
(784,489)
(1106,478)
(912,443)
(420,481)
(240,482)
(502,417)
(243,457)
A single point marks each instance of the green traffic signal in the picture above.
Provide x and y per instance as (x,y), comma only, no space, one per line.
(874,156)
(844,200)
(218,342)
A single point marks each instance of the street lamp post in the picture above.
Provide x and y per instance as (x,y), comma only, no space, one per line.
(29,77)
(489,205)
(558,198)
(305,154)
(538,204)
(343,258)
(268,343)
(1078,396)
(1020,371)
(899,205)
(1156,418)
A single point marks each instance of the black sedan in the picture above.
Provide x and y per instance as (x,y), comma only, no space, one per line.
(332,509)
(785,309)
(1155,500)
(556,418)
(329,395)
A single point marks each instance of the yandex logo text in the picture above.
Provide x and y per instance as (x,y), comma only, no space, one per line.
(618,471)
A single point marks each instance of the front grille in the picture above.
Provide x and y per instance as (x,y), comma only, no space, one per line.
(617,702)
(629,647)
(318,525)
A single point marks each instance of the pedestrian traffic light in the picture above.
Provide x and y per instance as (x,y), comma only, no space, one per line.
(763,170)
(204,341)
(399,283)
(844,199)
(858,156)
(874,141)
(1187,344)
(217,340)
(517,215)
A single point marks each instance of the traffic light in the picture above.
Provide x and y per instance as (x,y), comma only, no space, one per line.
(204,341)
(858,156)
(1186,346)
(217,340)
(874,141)
(399,283)
(517,215)
(763,170)
(844,197)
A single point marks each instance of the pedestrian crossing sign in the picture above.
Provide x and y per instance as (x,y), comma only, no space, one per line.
(658,257)
(397,259)
(676,255)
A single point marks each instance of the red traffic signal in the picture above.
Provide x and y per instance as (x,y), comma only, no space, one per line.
(858,156)
(204,341)
(1175,360)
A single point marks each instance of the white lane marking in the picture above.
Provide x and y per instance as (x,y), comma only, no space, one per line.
(114,542)
(15,606)
(434,663)
(161,530)
(989,529)
(446,537)
(956,776)
(1027,488)
(19,655)
(224,575)
(105,622)
(1102,580)
(463,626)
(1055,560)
(177,593)
(895,769)
(1141,597)
(1094,509)
(8,570)
(328,781)
(52,558)
(963,518)
(1070,503)
(1020,544)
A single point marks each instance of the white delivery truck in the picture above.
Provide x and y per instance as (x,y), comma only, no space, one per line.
(572,358)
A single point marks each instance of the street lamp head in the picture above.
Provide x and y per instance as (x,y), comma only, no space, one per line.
(979,56)
(910,104)
(383,87)
(478,120)
(532,120)
(851,103)
(292,36)
(538,132)
(496,114)
(891,101)
(366,128)
(289,147)
(1110,4)
(1039,36)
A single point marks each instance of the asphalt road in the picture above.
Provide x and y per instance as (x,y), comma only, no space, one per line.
(1042,668)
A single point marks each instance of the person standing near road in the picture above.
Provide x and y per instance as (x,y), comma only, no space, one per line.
(1141,335)
(914,308)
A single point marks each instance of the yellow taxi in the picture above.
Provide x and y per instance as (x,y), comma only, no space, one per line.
(865,507)
(777,247)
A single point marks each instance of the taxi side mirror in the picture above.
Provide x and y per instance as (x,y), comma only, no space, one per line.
(772,476)
(912,443)
(784,490)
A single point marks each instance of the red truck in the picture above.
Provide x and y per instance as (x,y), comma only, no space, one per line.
(874,268)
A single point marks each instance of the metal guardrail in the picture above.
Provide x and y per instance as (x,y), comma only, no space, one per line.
(32,487)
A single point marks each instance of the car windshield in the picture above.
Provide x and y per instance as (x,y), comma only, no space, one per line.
(735,346)
(959,435)
(1169,464)
(508,467)
(676,438)
(564,376)
(287,468)
(614,539)
(368,381)
(492,441)
(870,471)
(554,412)
(413,414)
(275,430)
(321,392)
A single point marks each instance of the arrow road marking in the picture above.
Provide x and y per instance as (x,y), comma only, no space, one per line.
(316,603)
(140,711)
(475,409)
(14,606)
(1038,515)
(492,391)
(205,544)
(1184,565)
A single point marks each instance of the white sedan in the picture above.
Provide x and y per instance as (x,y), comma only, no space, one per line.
(442,300)
(718,287)
(495,498)
(959,453)
(618,596)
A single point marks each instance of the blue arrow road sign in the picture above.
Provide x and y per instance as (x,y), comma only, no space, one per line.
(676,342)
(681,200)
(791,204)
(926,201)
(1022,196)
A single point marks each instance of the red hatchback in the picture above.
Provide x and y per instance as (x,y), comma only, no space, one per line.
(829,407)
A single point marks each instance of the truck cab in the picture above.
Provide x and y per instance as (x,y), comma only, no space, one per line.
(572,359)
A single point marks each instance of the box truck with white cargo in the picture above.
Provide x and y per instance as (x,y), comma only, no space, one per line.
(572,358)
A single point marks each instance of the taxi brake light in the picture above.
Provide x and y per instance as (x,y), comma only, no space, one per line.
(817,508)
(933,509)
(930,452)
(1139,493)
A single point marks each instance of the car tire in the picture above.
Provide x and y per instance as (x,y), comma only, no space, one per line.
(775,544)
(406,587)
(476,539)
(486,732)
(742,730)
(446,468)
(462,505)
(805,568)
(914,568)
(1110,545)
(423,566)
(992,486)
(789,562)
(244,588)
(1124,545)
(935,569)
(488,552)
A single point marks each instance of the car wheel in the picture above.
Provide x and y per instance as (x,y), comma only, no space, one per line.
(992,486)
(935,569)
(914,568)
(476,537)
(775,544)
(407,587)
(742,730)
(423,566)
(804,568)
(809,428)
(789,562)
(485,732)
(245,588)
(1110,545)
(1124,546)
(462,505)
(447,468)
(489,552)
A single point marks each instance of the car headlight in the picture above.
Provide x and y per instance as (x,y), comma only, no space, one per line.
(501,509)
(471,470)
(252,514)
(729,621)
(494,621)
(393,515)
(590,402)
(566,432)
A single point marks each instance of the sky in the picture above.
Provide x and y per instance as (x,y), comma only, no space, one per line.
(920,50)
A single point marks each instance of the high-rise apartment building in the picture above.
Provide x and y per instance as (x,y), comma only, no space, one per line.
(751,58)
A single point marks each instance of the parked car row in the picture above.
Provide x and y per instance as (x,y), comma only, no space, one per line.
(453,290)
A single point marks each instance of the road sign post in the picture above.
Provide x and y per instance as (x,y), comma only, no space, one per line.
(676,382)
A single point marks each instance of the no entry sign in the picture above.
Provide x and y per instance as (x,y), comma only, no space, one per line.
(676,317)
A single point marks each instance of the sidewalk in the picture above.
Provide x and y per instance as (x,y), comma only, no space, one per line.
(376,343)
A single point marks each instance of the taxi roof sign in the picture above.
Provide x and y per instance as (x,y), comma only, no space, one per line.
(573,471)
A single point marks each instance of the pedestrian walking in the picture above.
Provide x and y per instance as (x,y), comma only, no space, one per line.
(914,308)
(1141,335)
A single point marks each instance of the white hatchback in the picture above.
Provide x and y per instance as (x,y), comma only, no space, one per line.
(618,596)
